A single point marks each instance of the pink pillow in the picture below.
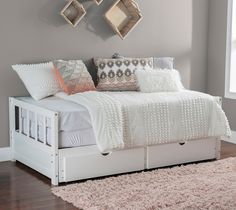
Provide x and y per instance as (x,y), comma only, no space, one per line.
(73,76)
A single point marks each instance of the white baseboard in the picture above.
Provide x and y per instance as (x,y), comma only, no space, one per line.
(232,139)
(5,154)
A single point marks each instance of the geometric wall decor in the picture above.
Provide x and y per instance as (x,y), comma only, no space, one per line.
(73,12)
(98,1)
(123,17)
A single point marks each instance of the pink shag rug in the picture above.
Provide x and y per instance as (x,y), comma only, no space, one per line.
(209,185)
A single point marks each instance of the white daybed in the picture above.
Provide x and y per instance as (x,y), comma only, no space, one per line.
(63,162)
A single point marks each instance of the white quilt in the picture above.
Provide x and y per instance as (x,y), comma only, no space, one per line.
(130,119)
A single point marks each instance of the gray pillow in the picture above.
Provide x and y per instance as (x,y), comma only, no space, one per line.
(163,63)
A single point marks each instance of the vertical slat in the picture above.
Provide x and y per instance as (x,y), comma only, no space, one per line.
(44,129)
(20,120)
(36,126)
(30,131)
(55,151)
(27,123)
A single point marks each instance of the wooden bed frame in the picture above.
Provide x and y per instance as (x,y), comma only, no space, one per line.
(70,164)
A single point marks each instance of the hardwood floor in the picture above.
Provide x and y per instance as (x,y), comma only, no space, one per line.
(22,188)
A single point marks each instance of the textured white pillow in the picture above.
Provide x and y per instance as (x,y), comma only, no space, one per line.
(39,79)
(162,80)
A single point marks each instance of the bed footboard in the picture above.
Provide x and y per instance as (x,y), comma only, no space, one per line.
(27,146)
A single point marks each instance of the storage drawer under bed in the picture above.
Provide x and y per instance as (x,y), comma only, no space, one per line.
(88,162)
(176,153)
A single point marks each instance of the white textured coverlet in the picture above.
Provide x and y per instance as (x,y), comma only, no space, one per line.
(131,119)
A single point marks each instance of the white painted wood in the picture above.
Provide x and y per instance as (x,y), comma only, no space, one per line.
(27,123)
(5,154)
(11,126)
(172,154)
(63,165)
(55,150)
(87,162)
(44,130)
(32,154)
(20,120)
(32,107)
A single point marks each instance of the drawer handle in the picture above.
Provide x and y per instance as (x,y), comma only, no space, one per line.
(182,143)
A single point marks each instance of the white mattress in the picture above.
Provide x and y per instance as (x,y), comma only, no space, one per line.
(75,127)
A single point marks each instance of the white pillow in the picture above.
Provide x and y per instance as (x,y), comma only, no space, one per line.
(39,79)
(161,80)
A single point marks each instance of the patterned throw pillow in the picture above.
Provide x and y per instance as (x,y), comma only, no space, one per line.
(73,76)
(118,74)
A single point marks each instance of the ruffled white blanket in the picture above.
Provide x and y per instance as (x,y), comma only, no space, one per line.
(131,119)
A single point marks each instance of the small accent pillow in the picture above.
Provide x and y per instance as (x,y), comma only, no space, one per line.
(163,63)
(118,74)
(39,79)
(73,76)
(162,80)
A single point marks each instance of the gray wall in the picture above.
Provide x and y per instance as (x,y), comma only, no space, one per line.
(216,56)
(32,31)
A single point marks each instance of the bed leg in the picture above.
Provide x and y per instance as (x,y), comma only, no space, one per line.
(11,127)
(54,163)
(218,148)
(55,152)
(54,181)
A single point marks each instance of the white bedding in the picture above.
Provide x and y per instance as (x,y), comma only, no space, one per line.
(75,129)
(135,119)
(72,116)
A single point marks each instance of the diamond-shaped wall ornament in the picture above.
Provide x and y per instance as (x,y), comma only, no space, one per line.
(73,12)
(98,2)
(123,17)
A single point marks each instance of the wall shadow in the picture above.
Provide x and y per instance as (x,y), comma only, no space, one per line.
(94,19)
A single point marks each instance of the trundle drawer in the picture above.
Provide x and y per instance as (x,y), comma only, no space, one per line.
(88,162)
(172,154)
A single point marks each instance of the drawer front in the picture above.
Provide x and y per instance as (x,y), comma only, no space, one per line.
(93,164)
(172,154)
